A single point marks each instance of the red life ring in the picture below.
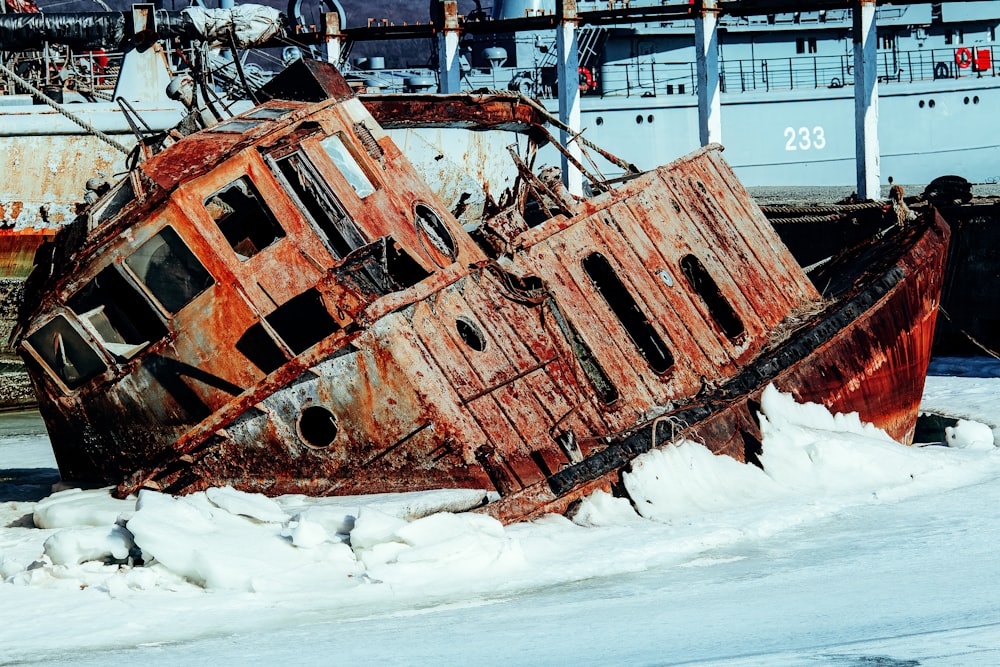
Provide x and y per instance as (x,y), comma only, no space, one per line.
(587,79)
(963,57)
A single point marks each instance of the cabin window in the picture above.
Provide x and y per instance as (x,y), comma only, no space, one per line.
(66,353)
(431,229)
(117,314)
(302,321)
(121,195)
(706,287)
(268,113)
(244,219)
(237,126)
(346,164)
(338,231)
(168,268)
(625,308)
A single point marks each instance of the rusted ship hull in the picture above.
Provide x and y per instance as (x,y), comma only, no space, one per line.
(357,337)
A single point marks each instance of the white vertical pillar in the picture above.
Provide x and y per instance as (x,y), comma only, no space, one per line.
(449,71)
(568,76)
(706,44)
(866,146)
(334,39)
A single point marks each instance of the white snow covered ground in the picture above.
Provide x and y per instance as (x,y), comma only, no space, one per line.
(848,549)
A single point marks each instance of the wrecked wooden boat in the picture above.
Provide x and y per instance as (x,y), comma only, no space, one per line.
(283,303)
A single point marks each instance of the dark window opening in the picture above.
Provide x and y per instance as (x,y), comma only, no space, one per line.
(244,219)
(117,314)
(317,426)
(800,45)
(606,391)
(168,268)
(380,267)
(338,231)
(625,308)
(403,269)
(720,310)
(257,345)
(471,334)
(66,353)
(302,321)
(812,45)
(431,229)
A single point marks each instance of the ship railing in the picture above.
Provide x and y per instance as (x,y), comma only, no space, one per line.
(649,79)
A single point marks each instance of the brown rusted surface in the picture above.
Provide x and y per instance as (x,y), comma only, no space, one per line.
(348,334)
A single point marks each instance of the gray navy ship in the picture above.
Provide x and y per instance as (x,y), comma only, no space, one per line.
(786,88)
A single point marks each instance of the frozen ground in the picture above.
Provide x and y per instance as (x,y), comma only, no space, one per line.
(848,550)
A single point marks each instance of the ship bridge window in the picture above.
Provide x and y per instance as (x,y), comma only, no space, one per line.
(706,287)
(320,205)
(625,308)
(347,165)
(267,113)
(236,126)
(117,314)
(168,268)
(244,219)
(65,352)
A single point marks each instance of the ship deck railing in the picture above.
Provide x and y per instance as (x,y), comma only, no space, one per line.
(800,72)
(794,73)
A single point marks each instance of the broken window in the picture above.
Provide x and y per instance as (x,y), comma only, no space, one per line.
(168,268)
(244,219)
(117,314)
(706,287)
(625,308)
(348,166)
(66,353)
(431,229)
(302,321)
(319,204)
(121,195)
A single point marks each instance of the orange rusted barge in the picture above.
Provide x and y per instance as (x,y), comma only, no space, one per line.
(284,303)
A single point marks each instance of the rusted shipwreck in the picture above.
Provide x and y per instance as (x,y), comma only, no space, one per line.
(283,303)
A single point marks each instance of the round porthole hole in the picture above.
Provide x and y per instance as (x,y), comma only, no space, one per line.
(317,427)
(471,334)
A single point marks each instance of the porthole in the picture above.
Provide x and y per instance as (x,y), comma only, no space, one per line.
(317,427)
(600,120)
(471,334)
(432,231)
(920,104)
(649,118)
(931,104)
(966,100)
(638,119)
(975,100)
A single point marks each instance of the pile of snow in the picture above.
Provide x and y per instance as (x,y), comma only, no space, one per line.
(325,554)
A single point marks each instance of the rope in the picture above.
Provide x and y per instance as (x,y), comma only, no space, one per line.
(42,97)
(788,209)
(967,334)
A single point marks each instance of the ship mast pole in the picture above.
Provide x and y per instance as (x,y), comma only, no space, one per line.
(446,26)
(568,77)
(866,146)
(706,44)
